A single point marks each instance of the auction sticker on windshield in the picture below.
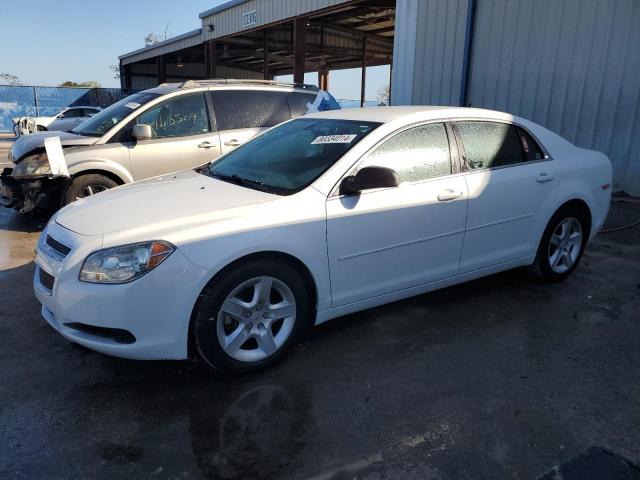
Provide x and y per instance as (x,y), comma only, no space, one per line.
(333,139)
(132,105)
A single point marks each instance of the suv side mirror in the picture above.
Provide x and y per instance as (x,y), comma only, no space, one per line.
(368,178)
(142,132)
(61,115)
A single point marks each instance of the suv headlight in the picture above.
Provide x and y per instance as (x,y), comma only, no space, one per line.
(32,166)
(124,264)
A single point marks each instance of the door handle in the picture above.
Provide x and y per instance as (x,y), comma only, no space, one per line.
(206,145)
(232,143)
(544,177)
(448,194)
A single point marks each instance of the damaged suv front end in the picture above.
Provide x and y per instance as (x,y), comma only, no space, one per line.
(29,184)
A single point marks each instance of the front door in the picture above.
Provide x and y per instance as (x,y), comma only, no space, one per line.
(386,240)
(511,185)
(182,137)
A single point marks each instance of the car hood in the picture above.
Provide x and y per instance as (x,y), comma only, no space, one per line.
(168,202)
(33,141)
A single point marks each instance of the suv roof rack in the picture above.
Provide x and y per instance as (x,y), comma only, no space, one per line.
(238,81)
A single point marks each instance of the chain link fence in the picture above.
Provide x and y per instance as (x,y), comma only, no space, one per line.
(34,101)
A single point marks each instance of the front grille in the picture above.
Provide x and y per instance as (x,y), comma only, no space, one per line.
(60,248)
(45,279)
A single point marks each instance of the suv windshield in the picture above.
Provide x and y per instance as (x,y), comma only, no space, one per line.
(101,122)
(291,156)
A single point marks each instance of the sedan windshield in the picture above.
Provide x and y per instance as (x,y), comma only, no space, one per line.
(288,158)
(101,122)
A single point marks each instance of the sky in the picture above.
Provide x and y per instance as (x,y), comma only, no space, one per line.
(46,42)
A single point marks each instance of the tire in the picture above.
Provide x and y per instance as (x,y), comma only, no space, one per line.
(40,128)
(558,256)
(86,185)
(237,329)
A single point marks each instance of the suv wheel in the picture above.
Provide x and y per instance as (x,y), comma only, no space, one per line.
(85,186)
(247,320)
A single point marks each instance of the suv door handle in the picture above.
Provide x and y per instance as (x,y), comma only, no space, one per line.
(544,177)
(232,143)
(206,145)
(448,194)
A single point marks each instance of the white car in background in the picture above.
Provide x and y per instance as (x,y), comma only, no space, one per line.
(65,120)
(316,218)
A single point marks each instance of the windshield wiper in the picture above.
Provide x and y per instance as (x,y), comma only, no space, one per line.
(238,180)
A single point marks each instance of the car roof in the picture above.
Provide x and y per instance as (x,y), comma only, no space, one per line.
(166,88)
(426,112)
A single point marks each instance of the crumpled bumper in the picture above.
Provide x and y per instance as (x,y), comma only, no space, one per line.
(28,194)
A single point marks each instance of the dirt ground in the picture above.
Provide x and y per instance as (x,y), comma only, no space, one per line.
(502,377)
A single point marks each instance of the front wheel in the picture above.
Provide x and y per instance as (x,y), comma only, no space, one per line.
(86,186)
(249,317)
(562,244)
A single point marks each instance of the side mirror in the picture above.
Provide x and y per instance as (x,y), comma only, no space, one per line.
(62,115)
(142,132)
(368,178)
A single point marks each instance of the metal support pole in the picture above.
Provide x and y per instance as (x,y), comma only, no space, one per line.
(210,52)
(267,73)
(299,49)
(161,69)
(363,80)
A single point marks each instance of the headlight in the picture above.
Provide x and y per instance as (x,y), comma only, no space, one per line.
(124,264)
(32,166)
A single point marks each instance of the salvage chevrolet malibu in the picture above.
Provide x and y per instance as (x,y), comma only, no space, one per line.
(321,216)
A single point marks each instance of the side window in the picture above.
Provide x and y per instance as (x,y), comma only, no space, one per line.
(249,108)
(490,144)
(532,150)
(73,113)
(298,102)
(415,154)
(177,117)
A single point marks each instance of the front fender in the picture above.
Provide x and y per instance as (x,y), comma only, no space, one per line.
(116,168)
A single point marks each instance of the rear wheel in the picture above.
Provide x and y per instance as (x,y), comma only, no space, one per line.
(251,316)
(86,186)
(562,244)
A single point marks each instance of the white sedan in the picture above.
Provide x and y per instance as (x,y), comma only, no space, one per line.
(318,217)
(65,120)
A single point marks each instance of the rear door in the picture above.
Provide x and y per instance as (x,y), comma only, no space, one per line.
(511,185)
(184,137)
(242,114)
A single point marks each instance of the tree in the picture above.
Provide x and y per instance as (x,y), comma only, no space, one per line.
(116,70)
(153,38)
(383,94)
(9,79)
(87,84)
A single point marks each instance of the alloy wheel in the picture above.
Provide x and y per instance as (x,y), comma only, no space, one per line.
(565,245)
(256,319)
(91,190)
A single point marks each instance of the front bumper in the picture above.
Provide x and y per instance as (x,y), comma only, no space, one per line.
(27,194)
(147,319)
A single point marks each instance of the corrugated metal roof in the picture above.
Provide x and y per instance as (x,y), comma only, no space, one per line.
(189,39)
(228,19)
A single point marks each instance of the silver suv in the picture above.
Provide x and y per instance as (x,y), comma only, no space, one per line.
(165,129)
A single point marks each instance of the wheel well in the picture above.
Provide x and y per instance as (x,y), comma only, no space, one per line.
(104,173)
(296,263)
(581,206)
